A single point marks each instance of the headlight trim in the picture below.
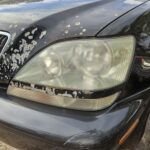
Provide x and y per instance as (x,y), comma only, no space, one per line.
(78,94)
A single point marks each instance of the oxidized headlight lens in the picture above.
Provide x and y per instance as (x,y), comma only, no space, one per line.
(84,65)
(95,62)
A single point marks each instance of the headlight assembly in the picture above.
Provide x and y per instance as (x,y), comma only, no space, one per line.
(68,74)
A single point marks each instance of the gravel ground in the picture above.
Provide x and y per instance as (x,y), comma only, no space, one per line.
(4,147)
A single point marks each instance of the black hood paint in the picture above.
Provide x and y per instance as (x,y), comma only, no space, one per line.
(93,14)
(35,24)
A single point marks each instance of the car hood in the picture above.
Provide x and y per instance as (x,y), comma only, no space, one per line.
(35,24)
(93,14)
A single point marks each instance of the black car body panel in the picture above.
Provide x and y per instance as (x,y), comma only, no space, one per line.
(67,129)
(38,24)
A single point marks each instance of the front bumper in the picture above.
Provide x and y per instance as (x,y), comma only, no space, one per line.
(28,125)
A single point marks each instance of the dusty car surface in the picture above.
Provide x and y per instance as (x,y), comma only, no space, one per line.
(74,74)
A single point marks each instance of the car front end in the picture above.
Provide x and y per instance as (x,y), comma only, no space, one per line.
(74,74)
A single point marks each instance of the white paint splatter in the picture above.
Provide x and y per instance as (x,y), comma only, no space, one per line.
(65,94)
(68,26)
(43,33)
(34,42)
(66,31)
(84,30)
(77,23)
(32,86)
(34,30)
(75,94)
(30,37)
(27,34)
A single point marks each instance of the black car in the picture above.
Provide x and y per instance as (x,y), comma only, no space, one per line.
(74,74)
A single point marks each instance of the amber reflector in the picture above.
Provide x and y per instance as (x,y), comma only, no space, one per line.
(128,133)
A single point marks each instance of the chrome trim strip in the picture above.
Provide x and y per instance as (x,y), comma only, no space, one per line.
(7,42)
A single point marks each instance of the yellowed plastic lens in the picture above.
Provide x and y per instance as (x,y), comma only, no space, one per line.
(87,64)
(65,102)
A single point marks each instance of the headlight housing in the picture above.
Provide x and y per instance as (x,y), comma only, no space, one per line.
(70,73)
